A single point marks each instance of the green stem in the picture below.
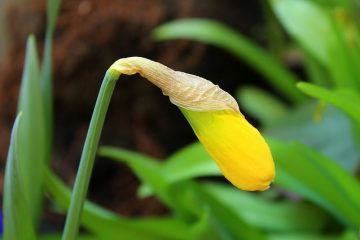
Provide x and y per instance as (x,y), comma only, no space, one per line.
(88,155)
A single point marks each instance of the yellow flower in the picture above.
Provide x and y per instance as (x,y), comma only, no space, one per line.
(236,146)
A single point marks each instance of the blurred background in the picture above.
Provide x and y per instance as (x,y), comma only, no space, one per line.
(90,35)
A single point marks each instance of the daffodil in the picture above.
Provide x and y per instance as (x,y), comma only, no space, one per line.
(236,146)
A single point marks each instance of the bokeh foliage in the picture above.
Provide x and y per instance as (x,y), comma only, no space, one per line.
(313,132)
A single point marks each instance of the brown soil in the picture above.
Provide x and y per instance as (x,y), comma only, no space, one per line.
(90,36)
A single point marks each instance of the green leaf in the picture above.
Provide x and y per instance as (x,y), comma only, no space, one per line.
(205,228)
(52,14)
(163,183)
(46,73)
(217,34)
(253,100)
(345,99)
(315,71)
(31,130)
(58,237)
(346,235)
(146,168)
(308,236)
(18,222)
(107,225)
(275,36)
(259,212)
(321,33)
(150,174)
(316,129)
(343,53)
(225,215)
(190,162)
(308,24)
(318,179)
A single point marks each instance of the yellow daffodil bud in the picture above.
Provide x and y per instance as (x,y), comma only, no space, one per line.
(236,146)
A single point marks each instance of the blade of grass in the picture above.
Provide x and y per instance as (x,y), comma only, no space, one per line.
(190,162)
(260,212)
(276,40)
(307,23)
(46,73)
(18,222)
(319,179)
(146,168)
(311,236)
(344,51)
(316,28)
(178,197)
(238,227)
(316,72)
(217,34)
(345,99)
(108,225)
(32,152)
(58,237)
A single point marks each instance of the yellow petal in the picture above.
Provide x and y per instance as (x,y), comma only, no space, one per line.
(236,146)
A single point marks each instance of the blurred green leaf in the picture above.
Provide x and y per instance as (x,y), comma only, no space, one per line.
(318,30)
(316,130)
(318,179)
(272,216)
(347,235)
(146,168)
(217,34)
(203,229)
(184,199)
(46,73)
(260,104)
(107,225)
(32,131)
(225,215)
(308,236)
(308,24)
(344,52)
(345,99)
(58,237)
(150,173)
(316,72)
(275,36)
(189,162)
(18,222)
(52,14)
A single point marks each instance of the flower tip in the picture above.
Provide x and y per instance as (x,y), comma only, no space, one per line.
(255,184)
(236,146)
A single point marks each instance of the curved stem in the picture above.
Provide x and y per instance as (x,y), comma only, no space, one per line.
(88,155)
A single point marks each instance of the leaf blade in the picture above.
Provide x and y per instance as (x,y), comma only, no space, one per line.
(32,154)
(18,222)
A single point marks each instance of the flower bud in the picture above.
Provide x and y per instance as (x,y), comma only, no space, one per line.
(234,144)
